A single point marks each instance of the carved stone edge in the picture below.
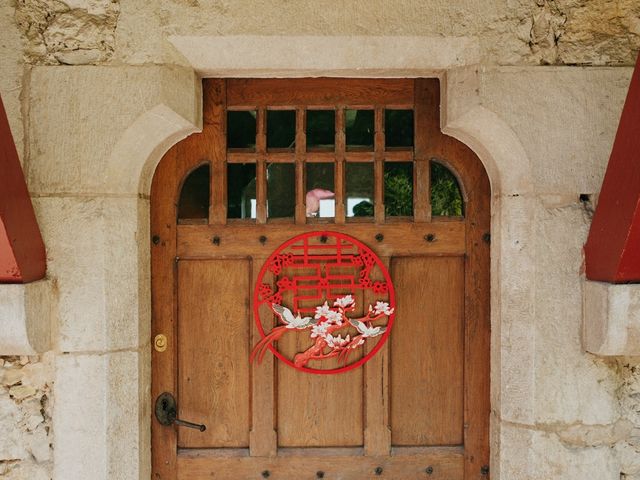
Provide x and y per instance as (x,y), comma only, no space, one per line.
(611,319)
(26,314)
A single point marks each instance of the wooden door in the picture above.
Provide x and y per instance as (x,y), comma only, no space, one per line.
(224,199)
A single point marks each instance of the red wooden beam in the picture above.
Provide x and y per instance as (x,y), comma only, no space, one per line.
(22,253)
(613,248)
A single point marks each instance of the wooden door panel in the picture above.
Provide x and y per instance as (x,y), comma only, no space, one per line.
(317,410)
(420,406)
(213,352)
(427,352)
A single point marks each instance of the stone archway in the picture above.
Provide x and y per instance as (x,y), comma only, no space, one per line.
(144,142)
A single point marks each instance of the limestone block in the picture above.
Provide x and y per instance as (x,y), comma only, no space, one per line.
(129,415)
(570,386)
(11,46)
(611,319)
(26,313)
(25,443)
(97,416)
(566,119)
(68,31)
(256,55)
(83,112)
(514,303)
(92,248)
(516,456)
(553,459)
(79,417)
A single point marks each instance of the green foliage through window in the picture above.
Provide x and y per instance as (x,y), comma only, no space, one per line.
(446,198)
(398,189)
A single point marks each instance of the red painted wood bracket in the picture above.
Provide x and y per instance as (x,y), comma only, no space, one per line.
(613,248)
(22,253)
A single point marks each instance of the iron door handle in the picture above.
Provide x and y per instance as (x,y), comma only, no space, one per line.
(166,413)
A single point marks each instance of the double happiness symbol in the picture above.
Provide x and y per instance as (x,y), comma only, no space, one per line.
(309,303)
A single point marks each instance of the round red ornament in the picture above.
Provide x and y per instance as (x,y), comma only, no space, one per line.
(332,290)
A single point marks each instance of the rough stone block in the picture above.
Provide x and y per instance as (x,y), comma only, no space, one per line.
(611,319)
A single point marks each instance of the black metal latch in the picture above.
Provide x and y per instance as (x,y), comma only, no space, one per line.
(166,413)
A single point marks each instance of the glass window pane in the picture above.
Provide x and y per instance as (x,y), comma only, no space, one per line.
(241,129)
(446,198)
(359,129)
(281,190)
(241,190)
(359,189)
(321,130)
(281,129)
(194,196)
(398,128)
(320,197)
(398,189)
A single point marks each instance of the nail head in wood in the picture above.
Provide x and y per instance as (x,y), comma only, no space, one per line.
(215,240)
(379,470)
(429,470)
(263,239)
(430,237)
(155,239)
(266,474)
(379,238)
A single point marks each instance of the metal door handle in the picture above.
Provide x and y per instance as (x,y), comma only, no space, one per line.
(166,413)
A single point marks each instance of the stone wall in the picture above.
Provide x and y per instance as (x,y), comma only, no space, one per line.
(566,414)
(25,417)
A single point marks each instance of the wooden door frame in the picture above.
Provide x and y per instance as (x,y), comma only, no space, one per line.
(174,167)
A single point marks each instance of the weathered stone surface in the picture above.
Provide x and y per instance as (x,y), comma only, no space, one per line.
(68,31)
(527,32)
(26,314)
(93,255)
(96,396)
(611,318)
(25,418)
(83,112)
(566,119)
(11,66)
(570,386)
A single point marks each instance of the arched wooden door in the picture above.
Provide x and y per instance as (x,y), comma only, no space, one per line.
(278,158)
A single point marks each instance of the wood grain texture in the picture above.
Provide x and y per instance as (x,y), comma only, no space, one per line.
(475,184)
(316,410)
(327,92)
(377,434)
(349,436)
(263,438)
(213,352)
(447,464)
(400,239)
(163,227)
(427,352)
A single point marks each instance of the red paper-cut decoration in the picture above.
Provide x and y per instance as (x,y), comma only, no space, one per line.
(314,284)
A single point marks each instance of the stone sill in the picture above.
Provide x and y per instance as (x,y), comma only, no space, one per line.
(611,319)
(25,317)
